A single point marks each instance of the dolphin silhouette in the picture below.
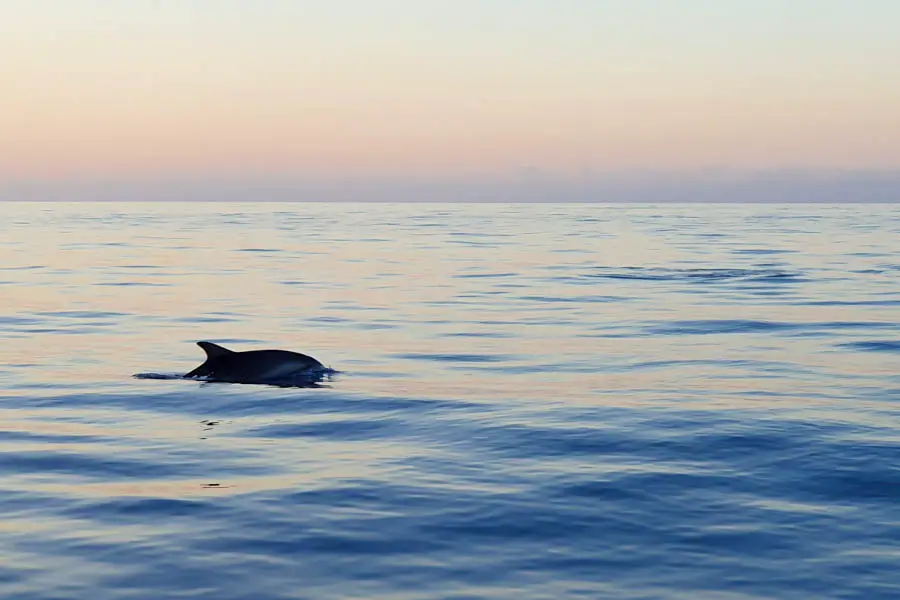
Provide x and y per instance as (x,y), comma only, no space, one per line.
(257,366)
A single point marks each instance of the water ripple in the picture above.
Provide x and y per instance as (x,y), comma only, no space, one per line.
(698,275)
(536,401)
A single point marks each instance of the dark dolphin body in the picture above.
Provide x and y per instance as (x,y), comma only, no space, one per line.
(277,367)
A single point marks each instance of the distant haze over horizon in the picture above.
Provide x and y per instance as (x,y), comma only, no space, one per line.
(635,187)
(504,100)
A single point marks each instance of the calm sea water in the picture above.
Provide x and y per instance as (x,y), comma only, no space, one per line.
(541,401)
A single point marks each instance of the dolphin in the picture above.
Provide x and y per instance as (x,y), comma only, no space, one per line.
(257,366)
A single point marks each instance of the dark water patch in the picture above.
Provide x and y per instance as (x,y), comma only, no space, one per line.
(59,438)
(150,569)
(866,254)
(573,299)
(492,322)
(328,319)
(313,402)
(598,365)
(854,325)
(848,472)
(331,543)
(133,284)
(478,334)
(374,326)
(206,319)
(484,275)
(719,363)
(10,320)
(83,314)
(19,503)
(534,442)
(174,400)
(89,245)
(744,446)
(90,329)
(847,302)
(456,358)
(761,251)
(353,306)
(365,496)
(508,520)
(873,346)
(485,294)
(344,430)
(697,275)
(322,285)
(732,326)
(718,326)
(473,234)
(137,510)
(85,465)
(476,243)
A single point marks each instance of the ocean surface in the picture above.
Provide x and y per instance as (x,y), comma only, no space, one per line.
(534,401)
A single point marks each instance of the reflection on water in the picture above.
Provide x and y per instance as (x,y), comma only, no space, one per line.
(533,401)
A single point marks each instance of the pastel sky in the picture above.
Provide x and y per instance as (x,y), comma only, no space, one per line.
(332,88)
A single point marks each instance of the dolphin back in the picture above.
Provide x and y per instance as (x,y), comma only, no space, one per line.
(255,366)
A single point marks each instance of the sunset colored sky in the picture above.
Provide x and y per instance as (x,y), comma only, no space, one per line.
(435,88)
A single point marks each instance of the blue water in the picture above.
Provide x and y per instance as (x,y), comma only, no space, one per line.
(541,401)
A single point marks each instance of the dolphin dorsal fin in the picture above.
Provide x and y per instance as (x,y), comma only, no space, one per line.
(213,350)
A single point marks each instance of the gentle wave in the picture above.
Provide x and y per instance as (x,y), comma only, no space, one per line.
(698,275)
